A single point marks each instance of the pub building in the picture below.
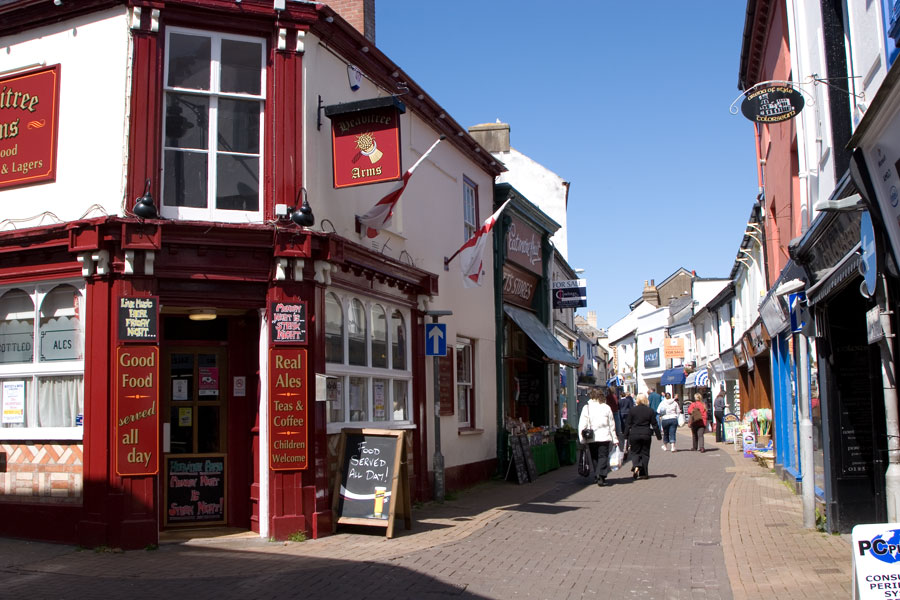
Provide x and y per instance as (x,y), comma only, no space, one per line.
(192,305)
(530,352)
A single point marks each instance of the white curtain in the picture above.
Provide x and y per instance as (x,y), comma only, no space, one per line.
(59,401)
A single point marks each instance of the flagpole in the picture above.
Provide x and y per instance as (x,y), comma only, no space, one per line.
(464,246)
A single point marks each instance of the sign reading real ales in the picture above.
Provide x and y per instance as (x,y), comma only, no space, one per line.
(287,409)
(29,115)
(137,423)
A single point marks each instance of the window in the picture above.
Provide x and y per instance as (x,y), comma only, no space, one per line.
(465,389)
(470,209)
(214,100)
(42,362)
(371,382)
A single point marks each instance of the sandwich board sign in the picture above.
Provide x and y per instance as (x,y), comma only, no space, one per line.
(876,560)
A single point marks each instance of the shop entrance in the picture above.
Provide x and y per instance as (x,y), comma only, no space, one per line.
(195,453)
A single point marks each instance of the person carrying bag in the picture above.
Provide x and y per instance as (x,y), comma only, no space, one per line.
(597,429)
(697,423)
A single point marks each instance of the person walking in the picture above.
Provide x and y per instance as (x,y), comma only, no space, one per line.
(719,414)
(597,418)
(642,423)
(612,401)
(697,422)
(625,406)
(668,419)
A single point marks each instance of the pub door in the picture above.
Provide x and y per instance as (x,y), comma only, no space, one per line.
(195,442)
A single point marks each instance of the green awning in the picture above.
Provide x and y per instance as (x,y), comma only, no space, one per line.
(540,335)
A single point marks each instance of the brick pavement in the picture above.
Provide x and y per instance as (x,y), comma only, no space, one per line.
(695,529)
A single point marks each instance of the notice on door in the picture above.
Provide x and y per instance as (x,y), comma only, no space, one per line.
(288,409)
(137,422)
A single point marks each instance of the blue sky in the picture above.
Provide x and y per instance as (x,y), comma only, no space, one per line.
(628,101)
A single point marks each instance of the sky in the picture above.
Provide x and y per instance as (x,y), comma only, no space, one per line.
(628,101)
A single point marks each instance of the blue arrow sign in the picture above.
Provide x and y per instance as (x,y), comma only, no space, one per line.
(435,339)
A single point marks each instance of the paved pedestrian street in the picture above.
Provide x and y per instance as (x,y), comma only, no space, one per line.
(703,526)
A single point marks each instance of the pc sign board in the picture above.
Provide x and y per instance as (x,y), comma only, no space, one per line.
(876,560)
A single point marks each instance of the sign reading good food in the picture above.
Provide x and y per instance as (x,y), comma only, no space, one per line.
(137,423)
(29,115)
(366,141)
(772,104)
(287,409)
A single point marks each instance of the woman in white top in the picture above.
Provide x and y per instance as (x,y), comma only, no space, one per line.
(668,418)
(598,417)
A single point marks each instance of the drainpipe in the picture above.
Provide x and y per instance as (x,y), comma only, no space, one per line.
(892,475)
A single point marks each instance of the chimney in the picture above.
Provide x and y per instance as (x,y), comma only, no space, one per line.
(650,294)
(592,318)
(493,136)
(359,13)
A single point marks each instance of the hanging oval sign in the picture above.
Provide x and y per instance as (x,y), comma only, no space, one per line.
(772,104)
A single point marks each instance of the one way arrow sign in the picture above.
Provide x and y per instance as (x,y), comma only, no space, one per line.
(435,339)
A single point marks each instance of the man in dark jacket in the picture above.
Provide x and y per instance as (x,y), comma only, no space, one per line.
(625,406)
(641,424)
(719,412)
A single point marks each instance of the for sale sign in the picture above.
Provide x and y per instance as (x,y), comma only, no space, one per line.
(29,124)
(876,560)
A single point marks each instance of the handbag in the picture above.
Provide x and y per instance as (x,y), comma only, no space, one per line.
(615,458)
(584,462)
(680,419)
(587,434)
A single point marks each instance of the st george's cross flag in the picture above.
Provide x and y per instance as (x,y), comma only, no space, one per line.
(378,217)
(471,254)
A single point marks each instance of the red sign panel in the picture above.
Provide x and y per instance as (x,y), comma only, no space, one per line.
(287,409)
(29,124)
(137,423)
(523,246)
(366,146)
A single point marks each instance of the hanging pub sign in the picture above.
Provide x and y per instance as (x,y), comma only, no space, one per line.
(365,138)
(29,124)
(772,104)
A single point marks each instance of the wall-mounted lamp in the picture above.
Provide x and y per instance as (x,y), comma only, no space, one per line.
(143,206)
(202,314)
(303,216)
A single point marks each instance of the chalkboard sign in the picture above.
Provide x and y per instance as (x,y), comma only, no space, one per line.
(518,459)
(288,322)
(195,489)
(372,486)
(138,318)
(529,458)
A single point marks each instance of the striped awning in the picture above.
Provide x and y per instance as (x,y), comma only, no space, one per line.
(697,379)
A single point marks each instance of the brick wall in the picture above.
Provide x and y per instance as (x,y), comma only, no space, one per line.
(359,13)
(42,473)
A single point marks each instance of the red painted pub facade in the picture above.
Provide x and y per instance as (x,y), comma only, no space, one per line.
(148,360)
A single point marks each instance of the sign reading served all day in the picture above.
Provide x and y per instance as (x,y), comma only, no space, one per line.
(365,144)
(288,322)
(288,432)
(138,318)
(137,423)
(29,115)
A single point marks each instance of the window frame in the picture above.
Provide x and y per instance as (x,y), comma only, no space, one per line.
(36,370)
(345,371)
(214,94)
(463,344)
(469,229)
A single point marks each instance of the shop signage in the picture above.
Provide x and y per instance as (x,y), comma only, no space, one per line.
(288,322)
(29,124)
(651,358)
(61,340)
(288,422)
(883,162)
(518,285)
(16,341)
(446,384)
(365,142)
(772,104)
(570,293)
(137,422)
(673,348)
(876,559)
(195,489)
(523,246)
(138,319)
(13,402)
(868,264)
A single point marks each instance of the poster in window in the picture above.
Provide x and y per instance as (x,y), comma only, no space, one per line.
(209,381)
(378,398)
(13,402)
(180,389)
